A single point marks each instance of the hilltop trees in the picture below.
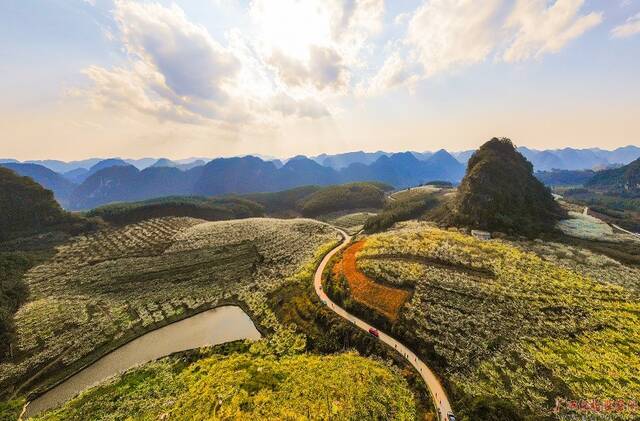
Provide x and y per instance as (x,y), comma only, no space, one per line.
(500,193)
(26,206)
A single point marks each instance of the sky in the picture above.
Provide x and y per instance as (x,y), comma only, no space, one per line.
(84,78)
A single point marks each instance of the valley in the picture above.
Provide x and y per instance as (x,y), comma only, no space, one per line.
(330,286)
(319,210)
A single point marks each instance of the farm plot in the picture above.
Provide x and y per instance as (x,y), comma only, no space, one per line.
(588,227)
(101,290)
(383,299)
(521,323)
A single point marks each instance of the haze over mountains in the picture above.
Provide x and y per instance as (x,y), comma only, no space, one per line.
(93,182)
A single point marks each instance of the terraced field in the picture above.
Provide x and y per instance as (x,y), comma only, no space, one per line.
(102,290)
(513,325)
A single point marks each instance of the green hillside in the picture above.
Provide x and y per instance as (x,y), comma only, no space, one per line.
(248,385)
(623,180)
(210,209)
(315,200)
(409,204)
(305,200)
(282,202)
(26,210)
(344,197)
(103,289)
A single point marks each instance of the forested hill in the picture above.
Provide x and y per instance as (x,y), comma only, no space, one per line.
(26,207)
(619,180)
(500,193)
(301,201)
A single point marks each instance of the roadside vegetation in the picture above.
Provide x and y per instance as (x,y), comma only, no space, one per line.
(246,381)
(509,326)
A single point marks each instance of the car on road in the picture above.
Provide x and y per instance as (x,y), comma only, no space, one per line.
(450,416)
(374,332)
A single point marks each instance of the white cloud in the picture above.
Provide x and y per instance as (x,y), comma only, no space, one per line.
(178,72)
(395,72)
(448,34)
(314,46)
(302,57)
(323,70)
(306,107)
(627,29)
(546,28)
(402,18)
(193,64)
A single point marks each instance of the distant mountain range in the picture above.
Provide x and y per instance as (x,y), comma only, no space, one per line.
(115,180)
(93,182)
(570,158)
(542,160)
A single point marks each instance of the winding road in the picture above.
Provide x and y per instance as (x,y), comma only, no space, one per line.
(436,389)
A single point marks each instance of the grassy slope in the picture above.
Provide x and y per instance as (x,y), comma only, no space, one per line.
(249,383)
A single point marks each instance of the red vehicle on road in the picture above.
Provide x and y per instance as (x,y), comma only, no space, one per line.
(374,332)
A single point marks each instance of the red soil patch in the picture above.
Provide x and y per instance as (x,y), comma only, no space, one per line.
(383,299)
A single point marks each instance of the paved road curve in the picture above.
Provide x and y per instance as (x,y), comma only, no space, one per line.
(440,397)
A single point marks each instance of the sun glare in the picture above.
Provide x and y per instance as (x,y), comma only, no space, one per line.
(292,26)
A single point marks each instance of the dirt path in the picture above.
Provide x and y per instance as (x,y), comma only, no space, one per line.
(436,389)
